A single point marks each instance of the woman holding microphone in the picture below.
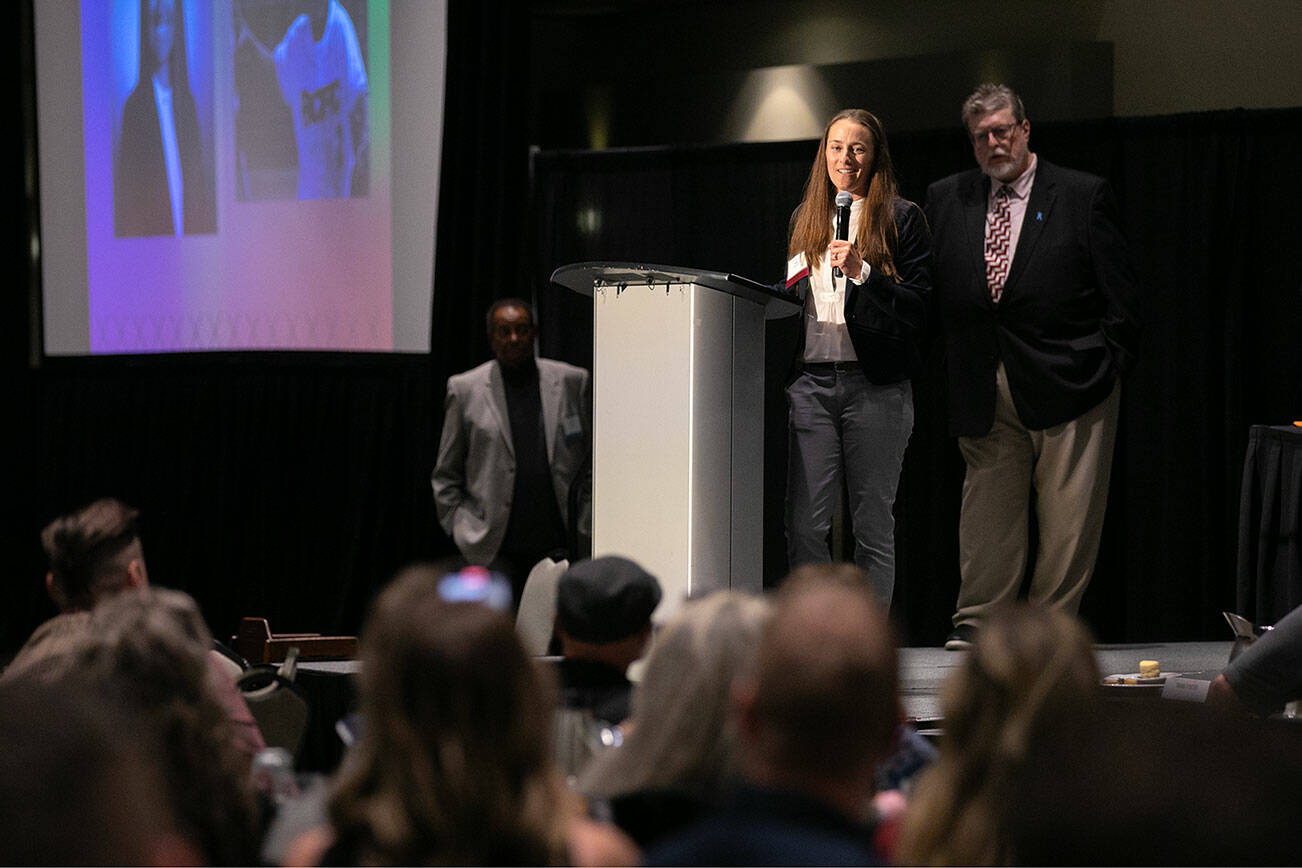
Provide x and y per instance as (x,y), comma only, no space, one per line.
(864,290)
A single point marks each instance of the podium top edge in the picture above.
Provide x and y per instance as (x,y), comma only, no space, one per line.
(586,277)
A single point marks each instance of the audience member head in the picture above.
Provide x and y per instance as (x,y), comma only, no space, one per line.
(823,707)
(452,765)
(145,652)
(48,644)
(511,332)
(79,785)
(1030,672)
(94,553)
(603,610)
(683,735)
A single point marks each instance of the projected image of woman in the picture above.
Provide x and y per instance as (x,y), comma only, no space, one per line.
(159,181)
(849,392)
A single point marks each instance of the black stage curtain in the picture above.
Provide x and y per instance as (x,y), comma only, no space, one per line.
(284,486)
(1209,202)
(484,181)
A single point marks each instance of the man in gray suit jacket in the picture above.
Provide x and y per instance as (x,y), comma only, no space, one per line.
(517,435)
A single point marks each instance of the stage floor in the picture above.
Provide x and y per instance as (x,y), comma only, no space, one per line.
(924,670)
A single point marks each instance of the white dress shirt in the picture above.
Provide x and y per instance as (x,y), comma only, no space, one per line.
(826,337)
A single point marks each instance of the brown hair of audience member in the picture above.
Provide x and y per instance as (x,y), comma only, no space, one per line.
(812,230)
(93,552)
(79,785)
(452,765)
(823,708)
(683,735)
(146,653)
(1031,669)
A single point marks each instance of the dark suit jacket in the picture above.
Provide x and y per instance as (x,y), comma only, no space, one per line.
(1067,324)
(141,205)
(886,318)
(761,826)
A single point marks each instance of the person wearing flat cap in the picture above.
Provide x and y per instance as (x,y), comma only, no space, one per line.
(603,622)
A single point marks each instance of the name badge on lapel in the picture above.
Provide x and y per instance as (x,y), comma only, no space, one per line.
(571,427)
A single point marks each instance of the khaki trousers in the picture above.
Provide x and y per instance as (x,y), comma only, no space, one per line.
(1069,466)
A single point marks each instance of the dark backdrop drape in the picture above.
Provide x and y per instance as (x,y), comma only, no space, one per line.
(1210,203)
(484,183)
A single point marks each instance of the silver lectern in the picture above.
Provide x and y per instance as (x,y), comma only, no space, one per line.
(678,421)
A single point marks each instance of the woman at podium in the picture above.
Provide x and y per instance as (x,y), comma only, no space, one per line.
(858,260)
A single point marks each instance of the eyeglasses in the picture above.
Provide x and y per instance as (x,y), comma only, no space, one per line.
(1002,133)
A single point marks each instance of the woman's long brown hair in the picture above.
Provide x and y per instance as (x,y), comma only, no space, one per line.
(452,766)
(877,233)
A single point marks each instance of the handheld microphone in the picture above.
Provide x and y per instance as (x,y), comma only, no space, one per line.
(843,200)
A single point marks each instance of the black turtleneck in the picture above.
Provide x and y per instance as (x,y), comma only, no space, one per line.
(536,526)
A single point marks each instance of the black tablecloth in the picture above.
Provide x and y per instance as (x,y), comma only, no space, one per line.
(1270,524)
(331,694)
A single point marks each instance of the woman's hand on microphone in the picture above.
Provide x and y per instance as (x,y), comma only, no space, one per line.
(842,255)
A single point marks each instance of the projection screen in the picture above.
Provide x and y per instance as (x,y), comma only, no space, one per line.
(238,174)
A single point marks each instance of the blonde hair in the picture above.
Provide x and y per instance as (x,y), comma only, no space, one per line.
(1029,668)
(683,735)
(877,234)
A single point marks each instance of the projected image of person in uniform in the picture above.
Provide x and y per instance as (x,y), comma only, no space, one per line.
(159,181)
(321,77)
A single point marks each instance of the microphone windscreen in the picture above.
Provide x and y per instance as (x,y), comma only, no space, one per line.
(843,199)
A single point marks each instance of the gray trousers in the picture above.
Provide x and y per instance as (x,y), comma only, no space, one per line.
(844,428)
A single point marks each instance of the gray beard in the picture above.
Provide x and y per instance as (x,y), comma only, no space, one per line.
(1005,173)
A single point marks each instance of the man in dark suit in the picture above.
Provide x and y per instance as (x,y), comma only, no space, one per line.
(1040,313)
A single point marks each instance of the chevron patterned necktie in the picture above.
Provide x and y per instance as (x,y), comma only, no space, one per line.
(998,256)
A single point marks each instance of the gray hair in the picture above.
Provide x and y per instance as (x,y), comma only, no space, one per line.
(991,97)
(684,736)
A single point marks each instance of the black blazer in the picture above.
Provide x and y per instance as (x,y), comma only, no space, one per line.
(1067,324)
(141,205)
(886,318)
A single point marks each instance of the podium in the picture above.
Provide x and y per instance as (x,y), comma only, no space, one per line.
(678,421)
